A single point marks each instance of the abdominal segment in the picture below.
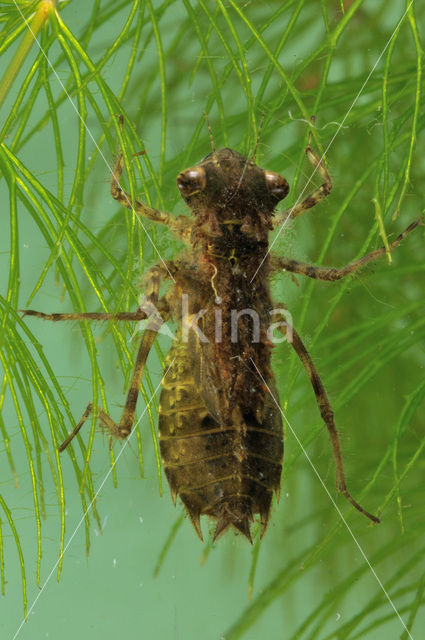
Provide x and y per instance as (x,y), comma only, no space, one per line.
(227,470)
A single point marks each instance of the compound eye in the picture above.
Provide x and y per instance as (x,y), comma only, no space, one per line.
(191,181)
(276,185)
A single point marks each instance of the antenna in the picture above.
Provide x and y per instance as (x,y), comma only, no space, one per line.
(209,131)
(258,137)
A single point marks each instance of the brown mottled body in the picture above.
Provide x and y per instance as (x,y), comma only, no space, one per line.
(227,470)
(220,431)
(220,422)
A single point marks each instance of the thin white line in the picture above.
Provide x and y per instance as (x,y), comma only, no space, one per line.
(333,138)
(90,505)
(138,218)
(334,504)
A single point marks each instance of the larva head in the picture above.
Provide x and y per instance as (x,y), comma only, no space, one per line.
(226,180)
